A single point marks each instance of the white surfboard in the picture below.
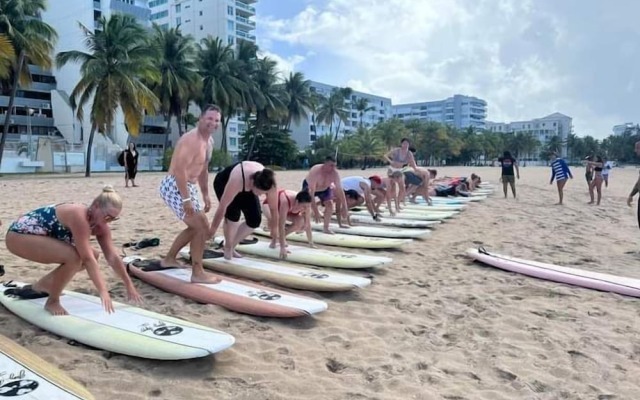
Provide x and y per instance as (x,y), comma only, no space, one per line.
(396,222)
(374,231)
(24,375)
(341,240)
(284,274)
(130,330)
(307,255)
(409,215)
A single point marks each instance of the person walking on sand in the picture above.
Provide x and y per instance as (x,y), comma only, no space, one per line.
(560,172)
(318,183)
(190,166)
(508,164)
(237,188)
(130,165)
(61,234)
(596,183)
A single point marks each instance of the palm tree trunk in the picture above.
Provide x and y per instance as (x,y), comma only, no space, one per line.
(87,172)
(225,123)
(167,132)
(12,98)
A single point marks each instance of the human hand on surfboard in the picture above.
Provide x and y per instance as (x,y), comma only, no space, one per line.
(133,295)
(107,304)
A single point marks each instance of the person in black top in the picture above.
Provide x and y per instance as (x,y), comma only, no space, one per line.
(596,183)
(508,164)
(130,165)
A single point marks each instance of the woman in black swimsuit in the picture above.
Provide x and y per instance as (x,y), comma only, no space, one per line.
(596,183)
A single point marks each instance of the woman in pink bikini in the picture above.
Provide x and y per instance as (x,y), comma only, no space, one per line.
(295,208)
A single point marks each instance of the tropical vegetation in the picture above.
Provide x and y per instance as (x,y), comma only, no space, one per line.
(128,68)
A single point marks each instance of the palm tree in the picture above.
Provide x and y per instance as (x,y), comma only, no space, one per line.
(119,60)
(175,55)
(299,97)
(331,108)
(220,82)
(362,106)
(33,41)
(7,56)
(270,97)
(365,145)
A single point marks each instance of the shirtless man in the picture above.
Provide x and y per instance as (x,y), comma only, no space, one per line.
(189,166)
(237,188)
(363,188)
(318,183)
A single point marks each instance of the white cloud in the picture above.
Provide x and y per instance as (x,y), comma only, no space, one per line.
(526,58)
(285,64)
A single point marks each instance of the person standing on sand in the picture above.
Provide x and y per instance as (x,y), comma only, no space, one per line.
(130,165)
(560,172)
(608,165)
(398,158)
(318,183)
(190,166)
(596,183)
(61,234)
(508,164)
(237,188)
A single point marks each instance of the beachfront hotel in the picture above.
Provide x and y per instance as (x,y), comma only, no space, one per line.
(458,111)
(308,129)
(543,129)
(44,110)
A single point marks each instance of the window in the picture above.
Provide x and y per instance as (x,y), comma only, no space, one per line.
(201,13)
(201,27)
(229,10)
(161,14)
(233,142)
(178,8)
(178,20)
(230,39)
(230,25)
(156,3)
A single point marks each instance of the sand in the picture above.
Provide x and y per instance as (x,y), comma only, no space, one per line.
(432,326)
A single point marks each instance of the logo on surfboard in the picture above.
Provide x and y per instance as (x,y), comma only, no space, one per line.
(14,385)
(262,295)
(314,275)
(161,329)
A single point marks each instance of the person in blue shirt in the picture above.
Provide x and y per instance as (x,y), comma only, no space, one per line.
(560,172)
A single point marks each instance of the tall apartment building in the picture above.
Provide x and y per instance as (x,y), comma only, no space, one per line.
(458,111)
(308,129)
(230,20)
(618,130)
(543,129)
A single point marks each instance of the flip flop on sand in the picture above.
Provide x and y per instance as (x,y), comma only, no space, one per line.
(146,242)
(26,293)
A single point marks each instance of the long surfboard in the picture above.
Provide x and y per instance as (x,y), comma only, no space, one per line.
(233,294)
(395,222)
(341,240)
(130,330)
(557,273)
(306,255)
(24,375)
(283,274)
(409,215)
(374,231)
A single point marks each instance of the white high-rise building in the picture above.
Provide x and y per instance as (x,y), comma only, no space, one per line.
(458,111)
(308,129)
(230,20)
(543,129)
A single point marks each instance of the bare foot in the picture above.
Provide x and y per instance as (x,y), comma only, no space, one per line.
(55,308)
(237,255)
(591,202)
(171,262)
(203,277)
(557,204)
(328,231)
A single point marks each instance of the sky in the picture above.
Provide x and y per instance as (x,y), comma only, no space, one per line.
(526,58)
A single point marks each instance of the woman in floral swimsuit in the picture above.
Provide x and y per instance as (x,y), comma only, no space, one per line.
(60,234)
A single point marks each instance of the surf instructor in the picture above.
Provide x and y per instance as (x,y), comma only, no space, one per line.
(190,166)
(237,188)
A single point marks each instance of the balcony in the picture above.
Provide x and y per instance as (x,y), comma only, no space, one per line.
(244,9)
(246,22)
(245,35)
(22,102)
(155,120)
(24,120)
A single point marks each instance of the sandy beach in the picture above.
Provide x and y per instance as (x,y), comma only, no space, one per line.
(433,325)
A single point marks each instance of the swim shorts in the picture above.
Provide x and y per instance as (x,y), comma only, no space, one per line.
(172,198)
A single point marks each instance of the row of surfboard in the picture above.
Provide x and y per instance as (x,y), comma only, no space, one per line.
(142,333)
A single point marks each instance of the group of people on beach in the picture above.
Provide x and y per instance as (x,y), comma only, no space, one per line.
(61,233)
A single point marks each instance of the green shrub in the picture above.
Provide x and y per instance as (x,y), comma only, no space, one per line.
(166,158)
(219,159)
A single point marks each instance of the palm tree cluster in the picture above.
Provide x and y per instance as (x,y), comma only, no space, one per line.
(140,71)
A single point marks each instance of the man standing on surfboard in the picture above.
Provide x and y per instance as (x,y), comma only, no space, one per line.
(318,182)
(190,167)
